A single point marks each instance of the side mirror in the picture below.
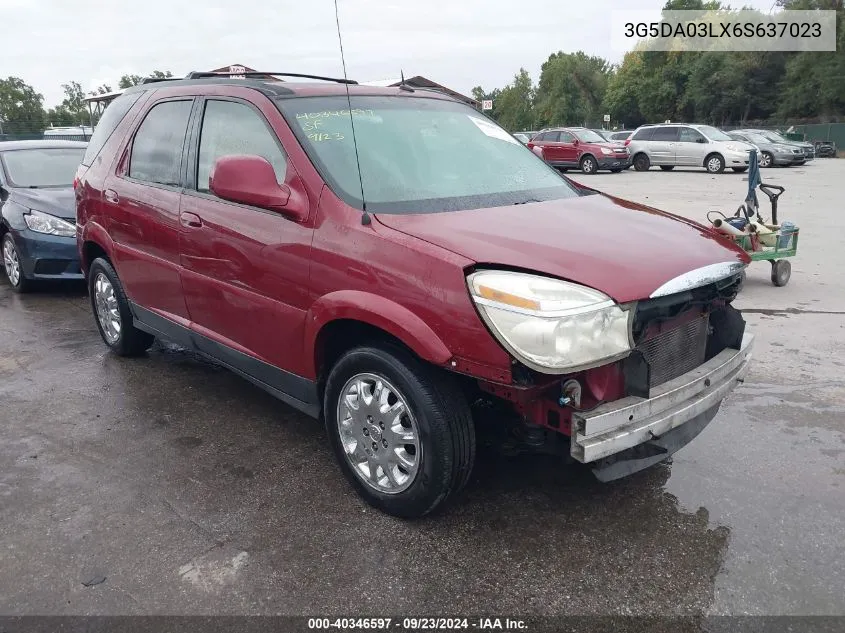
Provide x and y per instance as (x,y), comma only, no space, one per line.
(576,142)
(251,180)
(701,139)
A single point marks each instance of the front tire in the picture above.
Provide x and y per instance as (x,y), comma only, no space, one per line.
(13,267)
(781,272)
(766,159)
(401,431)
(642,162)
(589,166)
(112,312)
(714,164)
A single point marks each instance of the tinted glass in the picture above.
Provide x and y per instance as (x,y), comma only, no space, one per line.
(620,136)
(45,167)
(665,134)
(418,154)
(549,137)
(713,134)
(157,149)
(235,128)
(588,136)
(567,137)
(643,135)
(688,135)
(111,118)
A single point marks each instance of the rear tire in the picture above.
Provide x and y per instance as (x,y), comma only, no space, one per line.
(642,162)
(766,159)
(781,272)
(373,444)
(714,164)
(667,167)
(112,312)
(12,265)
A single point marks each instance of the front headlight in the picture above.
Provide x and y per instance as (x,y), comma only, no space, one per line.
(49,224)
(550,325)
(606,151)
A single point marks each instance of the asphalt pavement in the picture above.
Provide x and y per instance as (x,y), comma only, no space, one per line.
(166,485)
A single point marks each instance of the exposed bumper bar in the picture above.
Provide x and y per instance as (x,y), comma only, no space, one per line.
(619,425)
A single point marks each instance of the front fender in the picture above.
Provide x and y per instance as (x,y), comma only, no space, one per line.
(376,311)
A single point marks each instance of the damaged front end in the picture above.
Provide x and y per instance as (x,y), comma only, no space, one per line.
(691,350)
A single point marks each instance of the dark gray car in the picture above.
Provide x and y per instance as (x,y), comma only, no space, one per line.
(776,137)
(771,153)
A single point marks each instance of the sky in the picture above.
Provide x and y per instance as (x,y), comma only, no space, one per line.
(457,43)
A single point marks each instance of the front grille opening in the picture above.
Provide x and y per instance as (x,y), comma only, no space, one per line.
(676,351)
(52,266)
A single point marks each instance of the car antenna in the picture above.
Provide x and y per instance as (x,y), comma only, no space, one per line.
(402,84)
(365,218)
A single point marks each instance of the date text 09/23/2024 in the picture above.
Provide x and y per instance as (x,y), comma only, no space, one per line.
(418,624)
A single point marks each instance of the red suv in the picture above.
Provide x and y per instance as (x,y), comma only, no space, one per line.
(580,148)
(393,262)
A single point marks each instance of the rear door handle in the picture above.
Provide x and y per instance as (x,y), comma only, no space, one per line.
(190,220)
(111,196)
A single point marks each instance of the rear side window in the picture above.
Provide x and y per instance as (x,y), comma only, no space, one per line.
(643,134)
(665,134)
(229,128)
(157,148)
(111,118)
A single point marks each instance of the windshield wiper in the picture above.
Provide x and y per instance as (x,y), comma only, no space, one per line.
(527,201)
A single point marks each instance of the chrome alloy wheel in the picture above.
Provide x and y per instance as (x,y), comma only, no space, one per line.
(108,313)
(11,262)
(378,432)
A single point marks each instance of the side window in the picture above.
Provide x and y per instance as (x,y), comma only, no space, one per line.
(665,134)
(688,135)
(228,128)
(643,134)
(157,148)
(111,118)
(567,137)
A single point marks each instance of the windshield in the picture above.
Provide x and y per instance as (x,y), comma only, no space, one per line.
(757,138)
(42,167)
(713,134)
(418,155)
(777,138)
(591,136)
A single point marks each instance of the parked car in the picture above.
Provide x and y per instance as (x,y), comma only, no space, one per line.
(776,137)
(37,212)
(673,144)
(72,133)
(771,153)
(621,135)
(453,281)
(522,137)
(580,148)
(825,149)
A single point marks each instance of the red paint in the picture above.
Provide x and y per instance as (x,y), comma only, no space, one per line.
(268,269)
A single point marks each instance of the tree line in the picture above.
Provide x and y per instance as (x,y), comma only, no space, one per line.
(719,88)
(22,107)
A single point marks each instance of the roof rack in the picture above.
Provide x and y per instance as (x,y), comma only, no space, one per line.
(153,80)
(207,75)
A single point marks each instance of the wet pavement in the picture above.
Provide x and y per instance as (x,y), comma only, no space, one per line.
(172,486)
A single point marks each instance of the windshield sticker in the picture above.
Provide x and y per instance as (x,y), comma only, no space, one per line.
(493,131)
(325,136)
(330,113)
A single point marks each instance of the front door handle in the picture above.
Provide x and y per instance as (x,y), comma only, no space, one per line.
(111,196)
(190,220)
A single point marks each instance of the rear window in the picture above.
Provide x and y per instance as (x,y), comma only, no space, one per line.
(665,134)
(111,118)
(643,135)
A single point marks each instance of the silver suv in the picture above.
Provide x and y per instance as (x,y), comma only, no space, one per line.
(677,144)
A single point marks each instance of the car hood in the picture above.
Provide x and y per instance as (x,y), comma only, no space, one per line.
(621,248)
(58,201)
